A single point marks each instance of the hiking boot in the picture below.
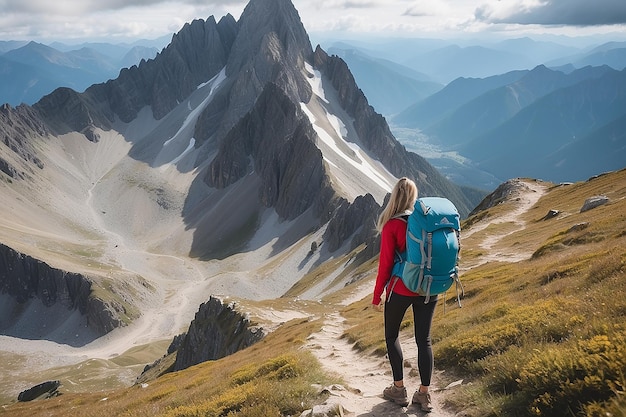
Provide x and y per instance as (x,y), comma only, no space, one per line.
(423,399)
(396,394)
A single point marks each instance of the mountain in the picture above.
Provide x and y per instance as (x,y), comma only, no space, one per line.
(388,86)
(612,54)
(238,162)
(511,129)
(6,46)
(615,58)
(34,70)
(453,61)
(432,109)
(136,54)
(546,137)
(22,83)
(538,51)
(496,106)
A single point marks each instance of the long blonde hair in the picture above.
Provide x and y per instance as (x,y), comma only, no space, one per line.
(402,198)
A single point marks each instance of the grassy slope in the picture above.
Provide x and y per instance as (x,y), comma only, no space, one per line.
(545,336)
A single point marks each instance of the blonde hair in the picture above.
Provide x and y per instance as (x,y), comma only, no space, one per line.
(402,198)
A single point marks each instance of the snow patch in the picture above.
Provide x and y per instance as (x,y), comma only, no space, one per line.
(316,81)
(214,82)
(337,150)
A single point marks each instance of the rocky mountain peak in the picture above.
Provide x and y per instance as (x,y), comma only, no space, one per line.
(269,27)
(271,46)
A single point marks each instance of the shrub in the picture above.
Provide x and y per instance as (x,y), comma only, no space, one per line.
(563,380)
(279,386)
(503,327)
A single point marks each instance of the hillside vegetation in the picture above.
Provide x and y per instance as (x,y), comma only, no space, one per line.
(541,331)
(544,336)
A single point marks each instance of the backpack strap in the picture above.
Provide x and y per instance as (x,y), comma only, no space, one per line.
(429,250)
(458,284)
(429,281)
(395,281)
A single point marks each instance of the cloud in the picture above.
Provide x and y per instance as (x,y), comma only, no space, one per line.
(554,12)
(348,4)
(43,20)
(430,8)
(79,7)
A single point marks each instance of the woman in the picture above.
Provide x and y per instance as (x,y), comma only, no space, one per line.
(392,227)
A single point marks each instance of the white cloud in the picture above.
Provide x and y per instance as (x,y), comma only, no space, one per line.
(431,8)
(118,19)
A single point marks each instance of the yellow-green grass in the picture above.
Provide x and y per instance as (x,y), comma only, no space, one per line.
(273,377)
(544,336)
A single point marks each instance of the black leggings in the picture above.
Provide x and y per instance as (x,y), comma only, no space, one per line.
(423,314)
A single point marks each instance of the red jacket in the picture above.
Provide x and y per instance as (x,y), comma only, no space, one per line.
(392,237)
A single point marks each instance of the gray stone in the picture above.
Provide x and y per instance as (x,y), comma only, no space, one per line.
(593,202)
(45,389)
(551,214)
(578,227)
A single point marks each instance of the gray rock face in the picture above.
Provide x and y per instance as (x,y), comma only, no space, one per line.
(217,331)
(65,111)
(197,53)
(271,46)
(23,277)
(17,126)
(280,142)
(352,218)
(499,195)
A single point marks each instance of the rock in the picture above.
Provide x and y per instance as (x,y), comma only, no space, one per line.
(551,214)
(505,191)
(18,128)
(360,216)
(269,136)
(593,202)
(23,277)
(324,410)
(48,388)
(217,331)
(578,227)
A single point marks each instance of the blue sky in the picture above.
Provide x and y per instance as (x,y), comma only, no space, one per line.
(121,20)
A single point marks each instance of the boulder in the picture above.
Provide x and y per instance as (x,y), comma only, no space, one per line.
(47,389)
(593,202)
(551,214)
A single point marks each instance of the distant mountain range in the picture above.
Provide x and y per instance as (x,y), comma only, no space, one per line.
(391,86)
(528,123)
(32,70)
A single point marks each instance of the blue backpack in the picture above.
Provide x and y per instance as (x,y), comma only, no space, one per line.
(429,266)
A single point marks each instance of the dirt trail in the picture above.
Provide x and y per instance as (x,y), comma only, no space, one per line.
(525,199)
(366,376)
